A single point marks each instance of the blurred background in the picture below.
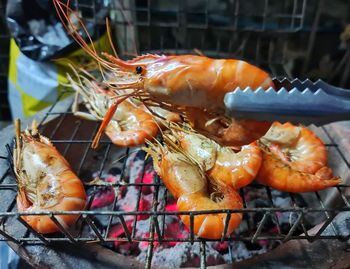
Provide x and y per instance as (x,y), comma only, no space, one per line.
(290,38)
(4,59)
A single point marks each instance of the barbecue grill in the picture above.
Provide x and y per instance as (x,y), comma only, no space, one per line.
(310,228)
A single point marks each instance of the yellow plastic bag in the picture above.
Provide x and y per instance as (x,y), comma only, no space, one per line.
(33,85)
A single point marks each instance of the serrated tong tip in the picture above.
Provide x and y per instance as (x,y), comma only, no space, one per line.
(294,101)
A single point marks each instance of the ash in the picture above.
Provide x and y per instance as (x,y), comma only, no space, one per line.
(172,254)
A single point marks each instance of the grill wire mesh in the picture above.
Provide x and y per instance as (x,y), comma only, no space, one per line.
(73,136)
(78,140)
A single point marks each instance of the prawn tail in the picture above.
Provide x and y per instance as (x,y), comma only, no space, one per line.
(211,225)
(309,183)
(294,181)
(321,184)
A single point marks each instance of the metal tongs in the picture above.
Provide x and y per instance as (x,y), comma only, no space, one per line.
(296,101)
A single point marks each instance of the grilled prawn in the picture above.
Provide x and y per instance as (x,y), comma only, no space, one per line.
(190,80)
(130,125)
(46,182)
(189,184)
(196,82)
(294,160)
(185,80)
(226,131)
(221,164)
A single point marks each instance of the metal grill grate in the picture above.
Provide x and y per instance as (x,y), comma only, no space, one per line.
(260,35)
(258,31)
(72,138)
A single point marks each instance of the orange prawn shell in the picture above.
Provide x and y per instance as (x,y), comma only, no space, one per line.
(71,194)
(241,171)
(312,153)
(319,151)
(144,126)
(304,170)
(281,176)
(222,164)
(237,133)
(199,81)
(209,225)
(185,80)
(191,191)
(174,179)
(124,122)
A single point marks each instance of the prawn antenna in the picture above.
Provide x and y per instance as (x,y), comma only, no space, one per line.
(64,12)
(18,141)
(110,38)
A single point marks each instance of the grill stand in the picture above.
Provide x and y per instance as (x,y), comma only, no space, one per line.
(296,253)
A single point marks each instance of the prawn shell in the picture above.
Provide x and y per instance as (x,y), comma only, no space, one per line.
(199,81)
(294,160)
(201,148)
(242,132)
(49,168)
(308,152)
(235,133)
(281,176)
(237,169)
(222,164)
(178,176)
(211,226)
(140,126)
(43,223)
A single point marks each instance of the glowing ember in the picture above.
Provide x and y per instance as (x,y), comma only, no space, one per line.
(140,196)
(122,246)
(103,198)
